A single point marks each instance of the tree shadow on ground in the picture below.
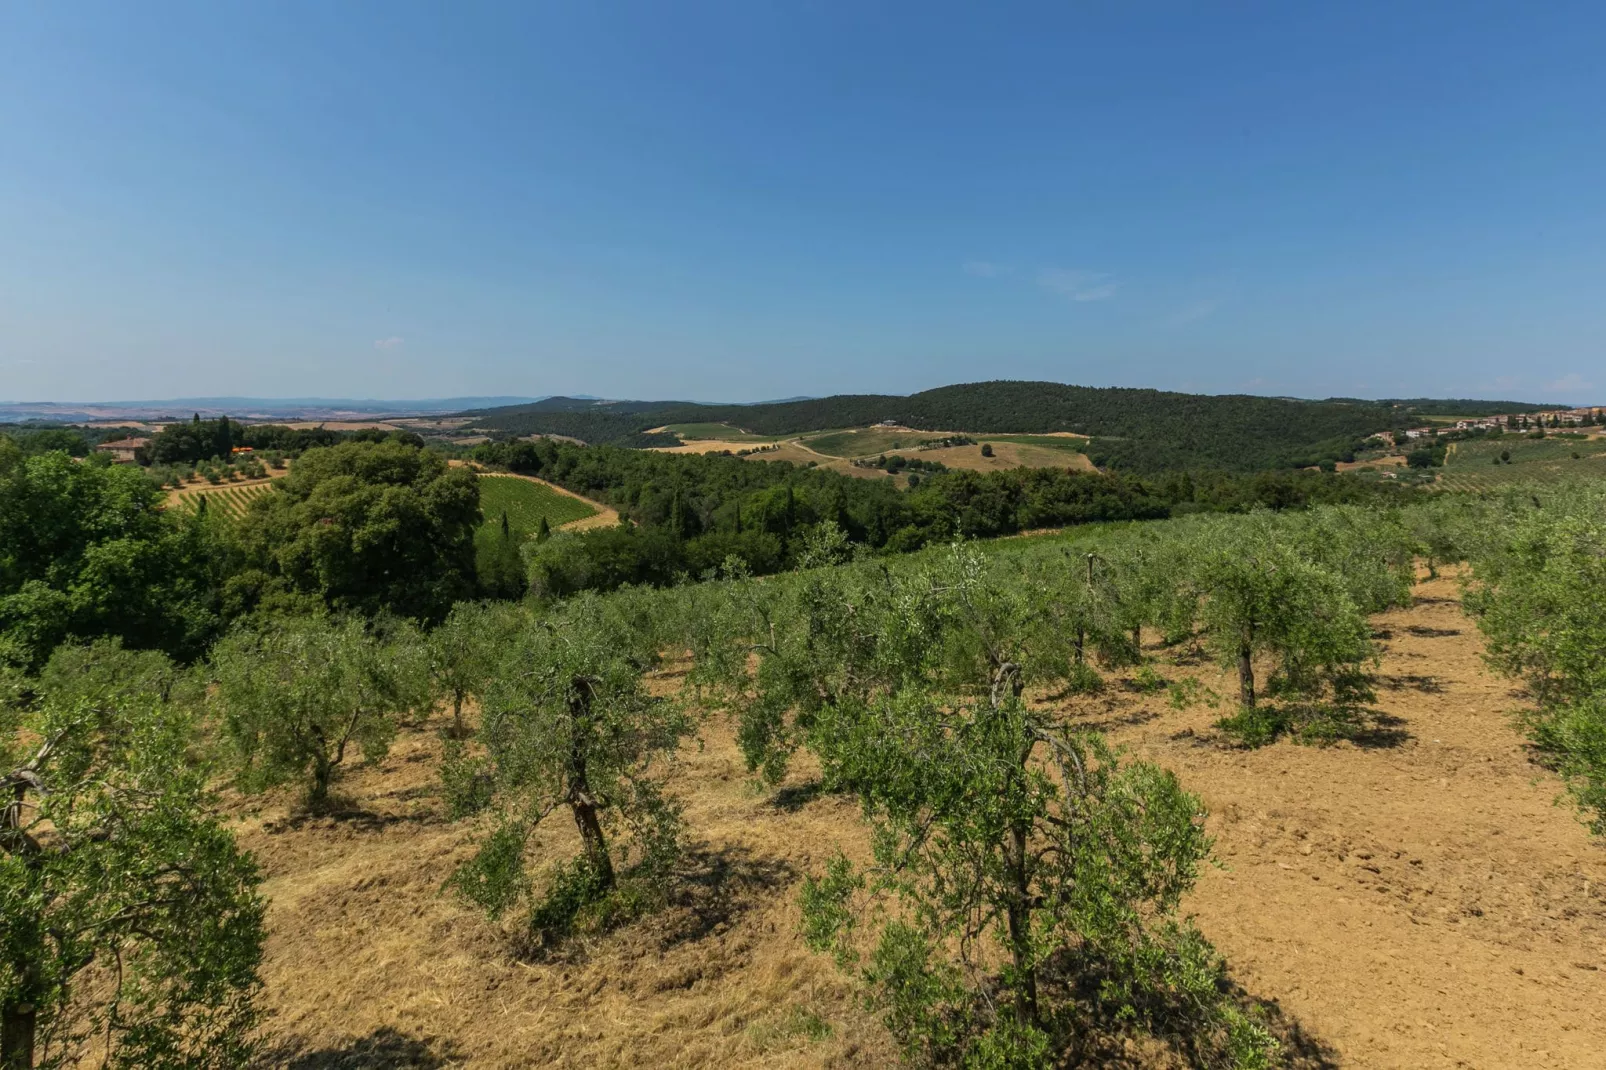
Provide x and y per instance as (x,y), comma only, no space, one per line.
(383,1049)
(1300,1048)
(1110,720)
(1401,681)
(795,797)
(345,813)
(715,886)
(1422,631)
(1381,731)
(1102,1032)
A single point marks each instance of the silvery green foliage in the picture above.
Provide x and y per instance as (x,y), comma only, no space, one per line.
(127,913)
(567,725)
(1538,592)
(1017,867)
(299,696)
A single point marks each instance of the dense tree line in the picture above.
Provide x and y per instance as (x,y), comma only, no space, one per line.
(74,441)
(1416,407)
(204,440)
(690,513)
(86,551)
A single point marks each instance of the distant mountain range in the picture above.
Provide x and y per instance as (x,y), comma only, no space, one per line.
(248,408)
(302,408)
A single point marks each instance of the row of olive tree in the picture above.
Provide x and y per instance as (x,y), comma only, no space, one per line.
(1024,891)
(1034,877)
(1538,557)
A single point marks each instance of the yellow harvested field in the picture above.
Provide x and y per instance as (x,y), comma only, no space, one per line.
(180,495)
(799,451)
(343,425)
(1005,455)
(1396,460)
(706,445)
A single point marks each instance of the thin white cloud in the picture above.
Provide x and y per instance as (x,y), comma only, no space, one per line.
(985,269)
(1076,285)
(388,343)
(1570,383)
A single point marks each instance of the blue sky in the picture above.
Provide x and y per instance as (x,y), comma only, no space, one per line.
(748,200)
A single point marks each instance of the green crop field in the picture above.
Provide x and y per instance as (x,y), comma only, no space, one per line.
(230,500)
(525,503)
(1052,442)
(719,432)
(1471,465)
(1491,476)
(1483,451)
(868,442)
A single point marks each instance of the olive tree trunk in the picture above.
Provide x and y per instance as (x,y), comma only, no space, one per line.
(17,1024)
(581,801)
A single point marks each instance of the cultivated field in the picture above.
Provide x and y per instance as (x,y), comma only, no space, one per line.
(526,502)
(837,450)
(1470,466)
(231,498)
(714,432)
(867,441)
(1416,902)
(1006,454)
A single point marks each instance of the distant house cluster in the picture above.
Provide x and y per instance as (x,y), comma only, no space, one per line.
(123,450)
(1585,417)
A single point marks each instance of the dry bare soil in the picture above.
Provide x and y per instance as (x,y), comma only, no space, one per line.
(1419,901)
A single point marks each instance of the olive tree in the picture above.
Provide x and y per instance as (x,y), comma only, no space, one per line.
(1535,593)
(1023,896)
(566,724)
(128,917)
(294,699)
(1264,598)
(463,651)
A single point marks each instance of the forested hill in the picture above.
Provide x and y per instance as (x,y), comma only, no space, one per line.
(1133,429)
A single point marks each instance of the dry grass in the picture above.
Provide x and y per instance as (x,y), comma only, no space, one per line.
(1415,902)
(1006,455)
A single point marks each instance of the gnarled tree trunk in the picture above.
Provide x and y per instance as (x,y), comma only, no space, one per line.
(581,801)
(1246,677)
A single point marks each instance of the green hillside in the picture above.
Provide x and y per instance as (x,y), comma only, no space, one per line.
(1136,430)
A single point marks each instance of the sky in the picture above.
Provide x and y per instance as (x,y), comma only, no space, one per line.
(750,200)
